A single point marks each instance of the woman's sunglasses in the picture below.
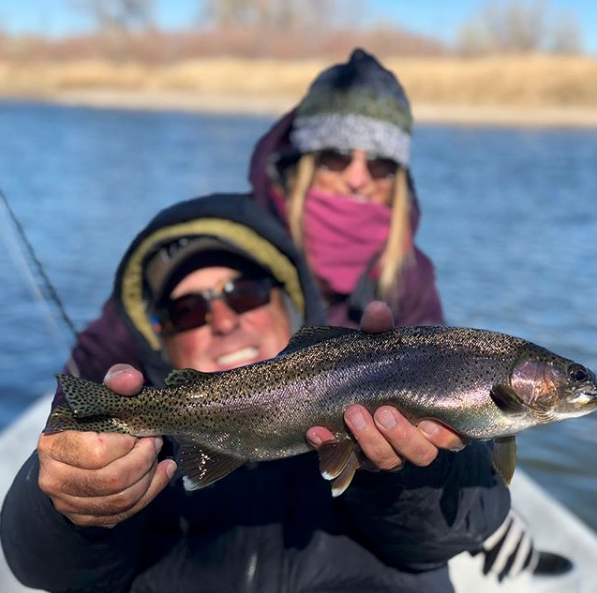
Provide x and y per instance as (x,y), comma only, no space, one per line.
(338,160)
(192,310)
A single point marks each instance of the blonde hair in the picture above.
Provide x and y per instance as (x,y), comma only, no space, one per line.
(295,201)
(399,246)
(398,250)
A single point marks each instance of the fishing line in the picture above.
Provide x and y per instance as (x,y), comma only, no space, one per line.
(18,252)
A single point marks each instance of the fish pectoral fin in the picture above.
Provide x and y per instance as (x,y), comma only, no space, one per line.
(201,466)
(338,463)
(334,455)
(342,482)
(507,400)
(179,377)
(504,457)
(308,336)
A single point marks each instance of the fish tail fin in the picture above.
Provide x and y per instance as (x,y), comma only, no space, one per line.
(62,418)
(87,399)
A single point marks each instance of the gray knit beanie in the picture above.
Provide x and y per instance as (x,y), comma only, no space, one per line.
(358,104)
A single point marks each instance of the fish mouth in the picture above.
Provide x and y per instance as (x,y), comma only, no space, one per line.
(238,357)
(586,396)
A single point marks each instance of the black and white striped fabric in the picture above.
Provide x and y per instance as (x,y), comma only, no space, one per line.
(509,551)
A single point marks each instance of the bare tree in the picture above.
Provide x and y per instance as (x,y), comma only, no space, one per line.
(118,16)
(117,21)
(565,35)
(224,13)
(279,15)
(518,26)
(273,22)
(474,39)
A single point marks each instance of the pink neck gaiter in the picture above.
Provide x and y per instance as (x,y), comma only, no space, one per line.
(342,236)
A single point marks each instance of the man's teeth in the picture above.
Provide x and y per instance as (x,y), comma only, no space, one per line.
(248,353)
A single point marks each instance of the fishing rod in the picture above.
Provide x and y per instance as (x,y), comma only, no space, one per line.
(26,260)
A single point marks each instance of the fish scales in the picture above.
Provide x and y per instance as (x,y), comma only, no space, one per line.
(480,383)
(326,378)
(414,371)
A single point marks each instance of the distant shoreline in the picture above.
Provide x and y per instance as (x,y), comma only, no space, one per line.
(530,90)
(274,105)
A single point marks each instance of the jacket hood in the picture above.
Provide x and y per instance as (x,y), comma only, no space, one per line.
(231,218)
(275,143)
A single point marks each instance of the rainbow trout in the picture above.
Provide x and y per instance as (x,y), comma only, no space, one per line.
(484,385)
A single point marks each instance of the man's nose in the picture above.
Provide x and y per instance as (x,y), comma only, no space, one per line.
(221,318)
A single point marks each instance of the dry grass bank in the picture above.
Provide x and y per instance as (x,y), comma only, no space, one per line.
(530,84)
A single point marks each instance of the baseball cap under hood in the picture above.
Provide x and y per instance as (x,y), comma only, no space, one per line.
(231,224)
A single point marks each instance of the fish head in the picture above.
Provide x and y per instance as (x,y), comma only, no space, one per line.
(554,388)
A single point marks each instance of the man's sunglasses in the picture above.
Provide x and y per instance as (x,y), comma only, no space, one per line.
(338,160)
(192,310)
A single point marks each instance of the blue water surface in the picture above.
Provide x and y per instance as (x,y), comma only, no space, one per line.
(509,218)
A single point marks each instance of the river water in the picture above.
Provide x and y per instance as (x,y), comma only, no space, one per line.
(509,218)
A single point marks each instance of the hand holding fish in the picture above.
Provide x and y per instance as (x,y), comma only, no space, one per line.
(483,384)
(387,438)
(100,479)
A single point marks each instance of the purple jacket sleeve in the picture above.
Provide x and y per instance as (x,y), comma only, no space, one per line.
(416,301)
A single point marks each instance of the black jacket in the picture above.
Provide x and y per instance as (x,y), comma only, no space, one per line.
(270,527)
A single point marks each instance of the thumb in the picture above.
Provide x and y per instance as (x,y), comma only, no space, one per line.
(124,379)
(377,318)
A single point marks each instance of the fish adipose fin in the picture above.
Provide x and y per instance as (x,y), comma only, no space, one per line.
(504,457)
(338,462)
(179,377)
(201,466)
(308,336)
(507,400)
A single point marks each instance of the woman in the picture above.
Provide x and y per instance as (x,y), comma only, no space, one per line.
(336,171)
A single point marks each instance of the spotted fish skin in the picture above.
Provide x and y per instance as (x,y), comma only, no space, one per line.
(482,384)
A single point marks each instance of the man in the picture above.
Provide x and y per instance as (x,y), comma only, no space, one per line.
(214,283)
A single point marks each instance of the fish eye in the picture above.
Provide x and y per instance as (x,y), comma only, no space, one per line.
(578,373)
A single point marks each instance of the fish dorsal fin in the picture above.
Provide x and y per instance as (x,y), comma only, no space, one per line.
(507,400)
(201,466)
(504,457)
(338,462)
(308,336)
(179,377)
